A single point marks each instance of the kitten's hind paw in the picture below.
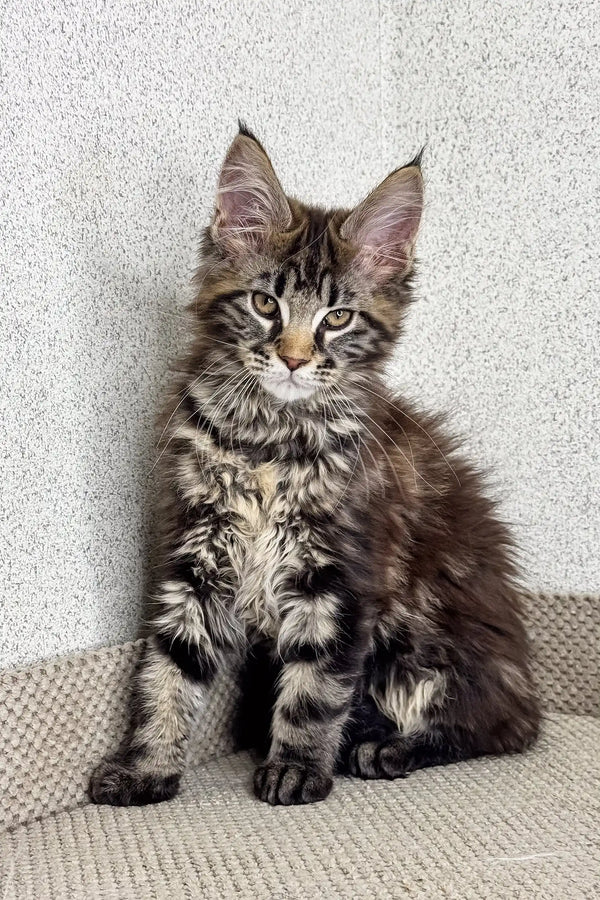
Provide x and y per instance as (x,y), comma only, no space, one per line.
(287,784)
(119,785)
(383,759)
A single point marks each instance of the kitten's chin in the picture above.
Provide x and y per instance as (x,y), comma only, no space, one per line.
(287,390)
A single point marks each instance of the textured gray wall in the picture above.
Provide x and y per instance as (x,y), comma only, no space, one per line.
(507,335)
(114,121)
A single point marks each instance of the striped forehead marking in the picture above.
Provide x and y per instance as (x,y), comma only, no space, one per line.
(293,278)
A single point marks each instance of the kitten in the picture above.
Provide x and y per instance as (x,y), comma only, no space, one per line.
(315,523)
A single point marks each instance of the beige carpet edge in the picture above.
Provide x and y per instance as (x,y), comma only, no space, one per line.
(59,717)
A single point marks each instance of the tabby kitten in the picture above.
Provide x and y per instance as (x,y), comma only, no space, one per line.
(314,523)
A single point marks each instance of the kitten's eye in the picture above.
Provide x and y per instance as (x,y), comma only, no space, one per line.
(338,318)
(264,305)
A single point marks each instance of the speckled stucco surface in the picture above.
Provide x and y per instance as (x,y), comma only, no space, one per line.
(507,333)
(116,118)
(114,121)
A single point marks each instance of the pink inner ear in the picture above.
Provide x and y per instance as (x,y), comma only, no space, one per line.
(385,225)
(250,200)
(242,204)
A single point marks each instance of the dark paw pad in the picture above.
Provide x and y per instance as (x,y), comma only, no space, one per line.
(288,784)
(386,759)
(116,784)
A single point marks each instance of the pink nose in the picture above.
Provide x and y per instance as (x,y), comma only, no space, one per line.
(292,363)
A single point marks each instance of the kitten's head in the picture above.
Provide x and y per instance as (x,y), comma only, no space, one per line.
(298,297)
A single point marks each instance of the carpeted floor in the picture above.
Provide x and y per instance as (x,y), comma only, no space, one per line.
(513,827)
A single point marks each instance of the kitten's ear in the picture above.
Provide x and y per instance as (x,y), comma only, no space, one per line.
(384,226)
(250,203)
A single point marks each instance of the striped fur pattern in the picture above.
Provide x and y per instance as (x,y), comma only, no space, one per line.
(314,524)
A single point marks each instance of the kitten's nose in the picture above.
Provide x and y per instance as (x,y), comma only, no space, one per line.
(292,362)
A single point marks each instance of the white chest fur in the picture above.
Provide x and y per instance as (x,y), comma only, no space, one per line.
(263,538)
(258,542)
(263,547)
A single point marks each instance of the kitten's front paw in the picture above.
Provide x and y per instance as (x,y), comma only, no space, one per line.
(119,785)
(289,784)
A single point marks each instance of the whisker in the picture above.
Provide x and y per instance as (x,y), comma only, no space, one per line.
(330,399)
(415,422)
(344,492)
(386,454)
(238,379)
(184,397)
(179,425)
(215,413)
(341,397)
(244,387)
(422,477)
(250,384)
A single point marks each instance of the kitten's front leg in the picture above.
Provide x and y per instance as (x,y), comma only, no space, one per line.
(321,642)
(191,632)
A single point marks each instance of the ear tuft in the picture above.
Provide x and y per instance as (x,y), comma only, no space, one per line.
(384,227)
(250,203)
(243,129)
(417,159)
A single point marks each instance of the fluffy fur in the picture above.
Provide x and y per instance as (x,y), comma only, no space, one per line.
(313,523)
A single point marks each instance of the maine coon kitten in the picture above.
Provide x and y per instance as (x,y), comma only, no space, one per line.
(315,523)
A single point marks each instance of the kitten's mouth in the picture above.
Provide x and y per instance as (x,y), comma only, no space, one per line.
(289,388)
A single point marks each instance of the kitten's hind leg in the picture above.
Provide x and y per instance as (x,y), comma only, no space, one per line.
(374,747)
(397,755)
(392,722)
(434,719)
(366,727)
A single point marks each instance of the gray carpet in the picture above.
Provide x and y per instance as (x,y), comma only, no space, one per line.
(59,718)
(513,827)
